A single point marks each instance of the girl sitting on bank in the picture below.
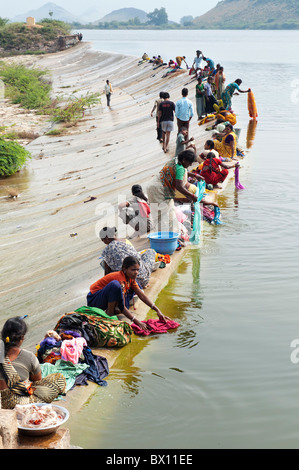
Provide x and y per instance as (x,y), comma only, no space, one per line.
(109,293)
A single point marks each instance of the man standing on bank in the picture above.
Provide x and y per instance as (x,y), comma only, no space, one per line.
(184,110)
(108,91)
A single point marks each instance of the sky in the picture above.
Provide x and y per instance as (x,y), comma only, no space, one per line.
(174,8)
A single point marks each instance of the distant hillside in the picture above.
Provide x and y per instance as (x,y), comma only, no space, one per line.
(124,14)
(59,13)
(251,14)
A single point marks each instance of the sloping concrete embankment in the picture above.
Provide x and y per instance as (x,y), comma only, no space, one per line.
(45,271)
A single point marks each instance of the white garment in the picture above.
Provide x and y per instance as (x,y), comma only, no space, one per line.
(197,62)
(108,89)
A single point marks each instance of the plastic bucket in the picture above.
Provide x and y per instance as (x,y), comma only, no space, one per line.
(164,242)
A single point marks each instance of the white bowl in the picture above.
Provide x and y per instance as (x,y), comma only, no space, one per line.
(42,431)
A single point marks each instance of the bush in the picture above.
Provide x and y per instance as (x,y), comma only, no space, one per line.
(12,157)
(26,87)
(74,108)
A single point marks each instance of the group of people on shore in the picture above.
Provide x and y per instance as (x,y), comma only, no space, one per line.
(126,271)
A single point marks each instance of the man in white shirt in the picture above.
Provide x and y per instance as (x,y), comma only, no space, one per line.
(197,63)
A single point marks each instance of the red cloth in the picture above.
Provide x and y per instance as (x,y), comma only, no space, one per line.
(144,209)
(154,326)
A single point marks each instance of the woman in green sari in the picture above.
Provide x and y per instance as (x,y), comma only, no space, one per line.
(163,190)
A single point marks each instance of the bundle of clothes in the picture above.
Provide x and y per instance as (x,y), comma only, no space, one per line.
(67,348)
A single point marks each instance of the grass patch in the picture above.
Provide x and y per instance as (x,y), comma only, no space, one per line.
(27,87)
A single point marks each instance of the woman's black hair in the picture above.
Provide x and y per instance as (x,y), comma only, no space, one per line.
(137,191)
(13,331)
(161,94)
(129,261)
(210,156)
(188,155)
(210,143)
(109,232)
(230,126)
(239,81)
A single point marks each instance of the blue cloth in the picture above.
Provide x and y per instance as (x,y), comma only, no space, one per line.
(196,227)
(217,216)
(210,63)
(184,109)
(110,293)
(96,372)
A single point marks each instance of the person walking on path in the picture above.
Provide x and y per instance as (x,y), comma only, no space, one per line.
(108,92)
(200,98)
(184,110)
(156,107)
(166,116)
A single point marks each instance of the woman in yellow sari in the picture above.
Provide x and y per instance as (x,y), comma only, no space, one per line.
(227,148)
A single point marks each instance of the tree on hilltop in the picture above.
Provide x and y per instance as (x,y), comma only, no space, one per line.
(158,17)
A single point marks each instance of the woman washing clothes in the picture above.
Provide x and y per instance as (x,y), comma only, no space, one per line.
(167,185)
(109,293)
(214,170)
(21,380)
(232,89)
(136,212)
(117,250)
(227,148)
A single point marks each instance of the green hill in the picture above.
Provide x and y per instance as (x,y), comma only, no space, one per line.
(124,14)
(251,14)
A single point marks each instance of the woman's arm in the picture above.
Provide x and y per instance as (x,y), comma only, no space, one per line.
(181,188)
(107,269)
(150,304)
(153,109)
(3,385)
(123,204)
(228,165)
(36,377)
(131,317)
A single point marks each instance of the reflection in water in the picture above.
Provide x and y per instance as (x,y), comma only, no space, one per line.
(251,130)
(19,181)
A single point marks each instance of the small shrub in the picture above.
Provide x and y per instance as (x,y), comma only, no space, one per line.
(74,108)
(12,157)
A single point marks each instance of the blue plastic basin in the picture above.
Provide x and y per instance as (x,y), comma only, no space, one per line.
(164,242)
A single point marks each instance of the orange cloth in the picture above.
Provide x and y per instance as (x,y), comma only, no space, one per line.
(115,276)
(252,110)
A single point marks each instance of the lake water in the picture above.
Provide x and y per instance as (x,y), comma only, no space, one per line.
(227,377)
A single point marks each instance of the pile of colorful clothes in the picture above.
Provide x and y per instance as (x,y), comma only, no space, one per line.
(66,349)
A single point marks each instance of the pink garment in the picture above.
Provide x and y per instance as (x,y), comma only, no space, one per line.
(237,181)
(155,326)
(71,349)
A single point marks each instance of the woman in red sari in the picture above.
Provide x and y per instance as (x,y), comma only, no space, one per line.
(214,170)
